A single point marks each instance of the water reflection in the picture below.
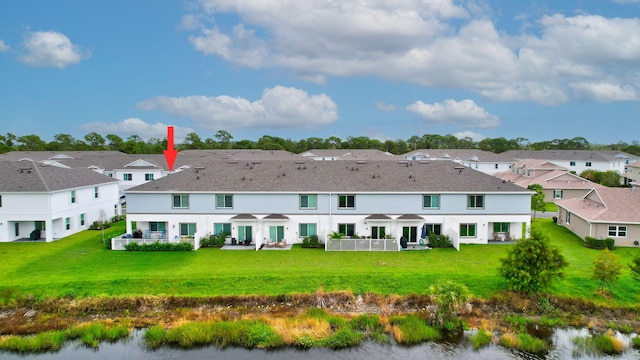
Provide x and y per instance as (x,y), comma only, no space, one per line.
(457,347)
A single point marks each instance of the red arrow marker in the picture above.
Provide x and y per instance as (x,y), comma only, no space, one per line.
(171,153)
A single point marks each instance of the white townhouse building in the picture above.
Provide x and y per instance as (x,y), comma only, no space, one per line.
(286,200)
(348,154)
(53,200)
(580,160)
(485,161)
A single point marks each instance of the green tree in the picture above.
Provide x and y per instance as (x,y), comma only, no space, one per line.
(450,297)
(31,143)
(537,199)
(95,140)
(224,138)
(532,264)
(606,269)
(635,266)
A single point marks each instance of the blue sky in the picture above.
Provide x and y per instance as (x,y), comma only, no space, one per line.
(539,70)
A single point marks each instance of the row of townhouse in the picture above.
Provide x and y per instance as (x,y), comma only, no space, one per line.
(285,200)
(51,202)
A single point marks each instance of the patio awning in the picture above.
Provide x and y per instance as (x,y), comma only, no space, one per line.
(378,217)
(244,217)
(276,217)
(410,217)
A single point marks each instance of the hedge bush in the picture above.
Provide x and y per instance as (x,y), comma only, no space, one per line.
(439,241)
(157,246)
(600,244)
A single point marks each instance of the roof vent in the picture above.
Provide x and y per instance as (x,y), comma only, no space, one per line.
(361,161)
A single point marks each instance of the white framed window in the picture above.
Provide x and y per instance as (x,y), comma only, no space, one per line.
(430,201)
(618,231)
(81,219)
(309,202)
(587,164)
(72,197)
(558,194)
(224,201)
(40,225)
(148,177)
(219,228)
(346,201)
(16,229)
(568,220)
(67,223)
(181,201)
(187,229)
(276,233)
(501,227)
(347,229)
(572,163)
(308,230)
(0,200)
(127,177)
(157,226)
(467,230)
(475,202)
(378,232)
(96,194)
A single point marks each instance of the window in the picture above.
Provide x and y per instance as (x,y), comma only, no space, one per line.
(572,163)
(568,218)
(127,177)
(378,232)
(347,229)
(475,202)
(157,226)
(148,177)
(558,194)
(95,192)
(431,201)
(0,200)
(434,228)
(40,225)
(16,229)
(244,233)
(467,230)
(219,228)
(410,233)
(81,219)
(308,230)
(501,227)
(276,233)
(308,201)
(346,201)
(67,223)
(181,201)
(187,229)
(72,197)
(618,231)
(224,201)
(588,164)
(495,166)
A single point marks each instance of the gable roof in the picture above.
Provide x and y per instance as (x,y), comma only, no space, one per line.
(459,154)
(330,176)
(606,205)
(572,155)
(27,176)
(556,179)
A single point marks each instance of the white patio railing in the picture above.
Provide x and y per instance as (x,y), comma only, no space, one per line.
(349,244)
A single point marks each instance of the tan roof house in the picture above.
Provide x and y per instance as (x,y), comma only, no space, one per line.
(632,172)
(558,183)
(604,213)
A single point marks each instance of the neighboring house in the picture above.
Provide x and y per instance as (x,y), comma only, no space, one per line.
(54,200)
(348,154)
(285,200)
(485,161)
(604,213)
(632,172)
(557,182)
(579,160)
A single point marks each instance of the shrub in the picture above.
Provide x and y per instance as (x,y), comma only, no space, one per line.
(157,246)
(99,225)
(439,241)
(600,244)
(306,241)
(481,339)
(555,219)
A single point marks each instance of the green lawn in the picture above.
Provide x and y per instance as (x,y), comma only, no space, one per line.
(81,266)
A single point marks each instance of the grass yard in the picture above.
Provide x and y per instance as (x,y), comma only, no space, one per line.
(80,265)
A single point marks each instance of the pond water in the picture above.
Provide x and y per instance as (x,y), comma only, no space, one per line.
(458,348)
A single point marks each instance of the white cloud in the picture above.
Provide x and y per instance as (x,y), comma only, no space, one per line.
(435,43)
(383,106)
(135,126)
(465,113)
(279,107)
(51,49)
(3,46)
(469,134)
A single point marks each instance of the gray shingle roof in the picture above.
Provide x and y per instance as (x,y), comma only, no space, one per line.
(571,155)
(27,176)
(329,176)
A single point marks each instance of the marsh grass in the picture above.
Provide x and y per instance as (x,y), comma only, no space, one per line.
(524,342)
(599,344)
(412,329)
(480,339)
(90,335)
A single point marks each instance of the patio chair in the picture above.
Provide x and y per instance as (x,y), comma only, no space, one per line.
(507,236)
(282,243)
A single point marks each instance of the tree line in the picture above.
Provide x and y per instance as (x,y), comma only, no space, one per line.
(222,139)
